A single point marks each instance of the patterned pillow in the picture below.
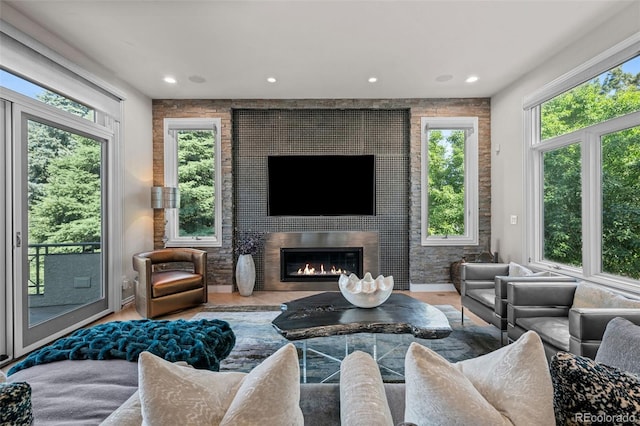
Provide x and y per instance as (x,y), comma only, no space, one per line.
(587,392)
(15,404)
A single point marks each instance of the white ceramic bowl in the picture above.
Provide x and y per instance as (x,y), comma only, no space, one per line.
(366,292)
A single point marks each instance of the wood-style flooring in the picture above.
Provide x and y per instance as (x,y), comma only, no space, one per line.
(277,297)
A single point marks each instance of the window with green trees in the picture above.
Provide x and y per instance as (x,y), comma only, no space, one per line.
(587,158)
(449,208)
(192,163)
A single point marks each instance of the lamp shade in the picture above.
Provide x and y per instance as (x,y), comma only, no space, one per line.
(165,197)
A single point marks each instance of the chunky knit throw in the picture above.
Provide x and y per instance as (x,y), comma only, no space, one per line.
(202,343)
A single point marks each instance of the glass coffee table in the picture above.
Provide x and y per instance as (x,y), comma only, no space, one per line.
(330,314)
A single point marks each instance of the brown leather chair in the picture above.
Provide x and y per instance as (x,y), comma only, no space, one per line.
(170,280)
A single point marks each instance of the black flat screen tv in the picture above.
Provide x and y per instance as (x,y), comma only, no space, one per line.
(321,185)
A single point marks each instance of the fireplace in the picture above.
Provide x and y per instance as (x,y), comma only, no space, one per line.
(319,263)
(315,260)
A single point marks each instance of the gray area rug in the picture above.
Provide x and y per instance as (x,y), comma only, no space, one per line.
(256,339)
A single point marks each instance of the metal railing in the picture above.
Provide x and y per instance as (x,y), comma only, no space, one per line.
(37,252)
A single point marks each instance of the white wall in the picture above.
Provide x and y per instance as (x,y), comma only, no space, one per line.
(137,216)
(507,132)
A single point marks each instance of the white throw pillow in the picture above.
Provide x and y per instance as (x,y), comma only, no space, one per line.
(516,270)
(363,400)
(268,395)
(511,385)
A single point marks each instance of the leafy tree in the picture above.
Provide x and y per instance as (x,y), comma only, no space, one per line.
(196,182)
(446,182)
(64,180)
(70,209)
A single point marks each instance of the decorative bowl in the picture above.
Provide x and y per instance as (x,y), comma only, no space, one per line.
(366,292)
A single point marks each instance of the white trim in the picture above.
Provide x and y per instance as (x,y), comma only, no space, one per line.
(608,59)
(171,179)
(470,178)
(225,288)
(589,139)
(433,288)
(6,290)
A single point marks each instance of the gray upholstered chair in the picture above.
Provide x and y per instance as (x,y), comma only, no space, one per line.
(477,289)
(484,289)
(550,309)
(169,280)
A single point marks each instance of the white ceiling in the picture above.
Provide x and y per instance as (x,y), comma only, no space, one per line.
(318,49)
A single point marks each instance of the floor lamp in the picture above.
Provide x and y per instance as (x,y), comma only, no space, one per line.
(165,197)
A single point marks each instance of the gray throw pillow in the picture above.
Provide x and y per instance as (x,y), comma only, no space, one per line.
(620,346)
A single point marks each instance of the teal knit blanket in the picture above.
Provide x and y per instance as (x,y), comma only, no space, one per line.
(202,343)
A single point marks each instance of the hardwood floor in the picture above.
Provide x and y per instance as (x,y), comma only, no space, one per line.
(275,298)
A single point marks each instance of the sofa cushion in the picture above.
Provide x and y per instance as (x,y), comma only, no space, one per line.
(620,346)
(516,270)
(511,384)
(165,283)
(362,397)
(587,392)
(594,296)
(486,296)
(15,404)
(268,395)
(552,330)
(62,390)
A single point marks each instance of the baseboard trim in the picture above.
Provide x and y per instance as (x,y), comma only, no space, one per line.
(431,287)
(220,288)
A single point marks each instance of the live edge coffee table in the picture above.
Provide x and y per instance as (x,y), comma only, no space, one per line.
(330,314)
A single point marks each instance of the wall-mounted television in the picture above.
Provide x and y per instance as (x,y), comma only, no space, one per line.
(322,185)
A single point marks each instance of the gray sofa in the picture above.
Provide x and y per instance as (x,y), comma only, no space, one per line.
(87,392)
(568,316)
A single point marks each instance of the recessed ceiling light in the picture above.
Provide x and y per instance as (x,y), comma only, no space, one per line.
(271,79)
(373,79)
(170,80)
(471,79)
(197,79)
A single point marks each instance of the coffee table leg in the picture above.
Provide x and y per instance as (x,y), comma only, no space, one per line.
(304,361)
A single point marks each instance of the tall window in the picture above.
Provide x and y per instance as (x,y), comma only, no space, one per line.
(585,152)
(192,163)
(450,180)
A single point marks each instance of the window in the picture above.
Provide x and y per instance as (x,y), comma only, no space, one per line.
(584,150)
(34,91)
(192,164)
(450,180)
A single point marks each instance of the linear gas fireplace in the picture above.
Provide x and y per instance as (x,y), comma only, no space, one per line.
(319,263)
(315,260)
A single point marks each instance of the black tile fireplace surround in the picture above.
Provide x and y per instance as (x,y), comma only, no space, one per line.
(315,260)
(381,134)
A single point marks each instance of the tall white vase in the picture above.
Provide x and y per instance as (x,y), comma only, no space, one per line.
(245,274)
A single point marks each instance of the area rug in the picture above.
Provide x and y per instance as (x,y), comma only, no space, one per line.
(256,339)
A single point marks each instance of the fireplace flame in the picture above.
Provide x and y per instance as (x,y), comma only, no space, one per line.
(311,270)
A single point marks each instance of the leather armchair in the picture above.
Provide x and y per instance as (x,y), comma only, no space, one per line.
(546,308)
(500,306)
(169,280)
(477,290)
(484,289)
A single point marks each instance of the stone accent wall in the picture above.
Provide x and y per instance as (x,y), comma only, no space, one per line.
(426,264)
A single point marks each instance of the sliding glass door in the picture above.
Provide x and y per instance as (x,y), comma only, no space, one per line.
(59,204)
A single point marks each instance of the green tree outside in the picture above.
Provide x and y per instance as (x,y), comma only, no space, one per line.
(446,182)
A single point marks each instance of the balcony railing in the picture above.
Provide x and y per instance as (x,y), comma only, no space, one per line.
(37,253)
